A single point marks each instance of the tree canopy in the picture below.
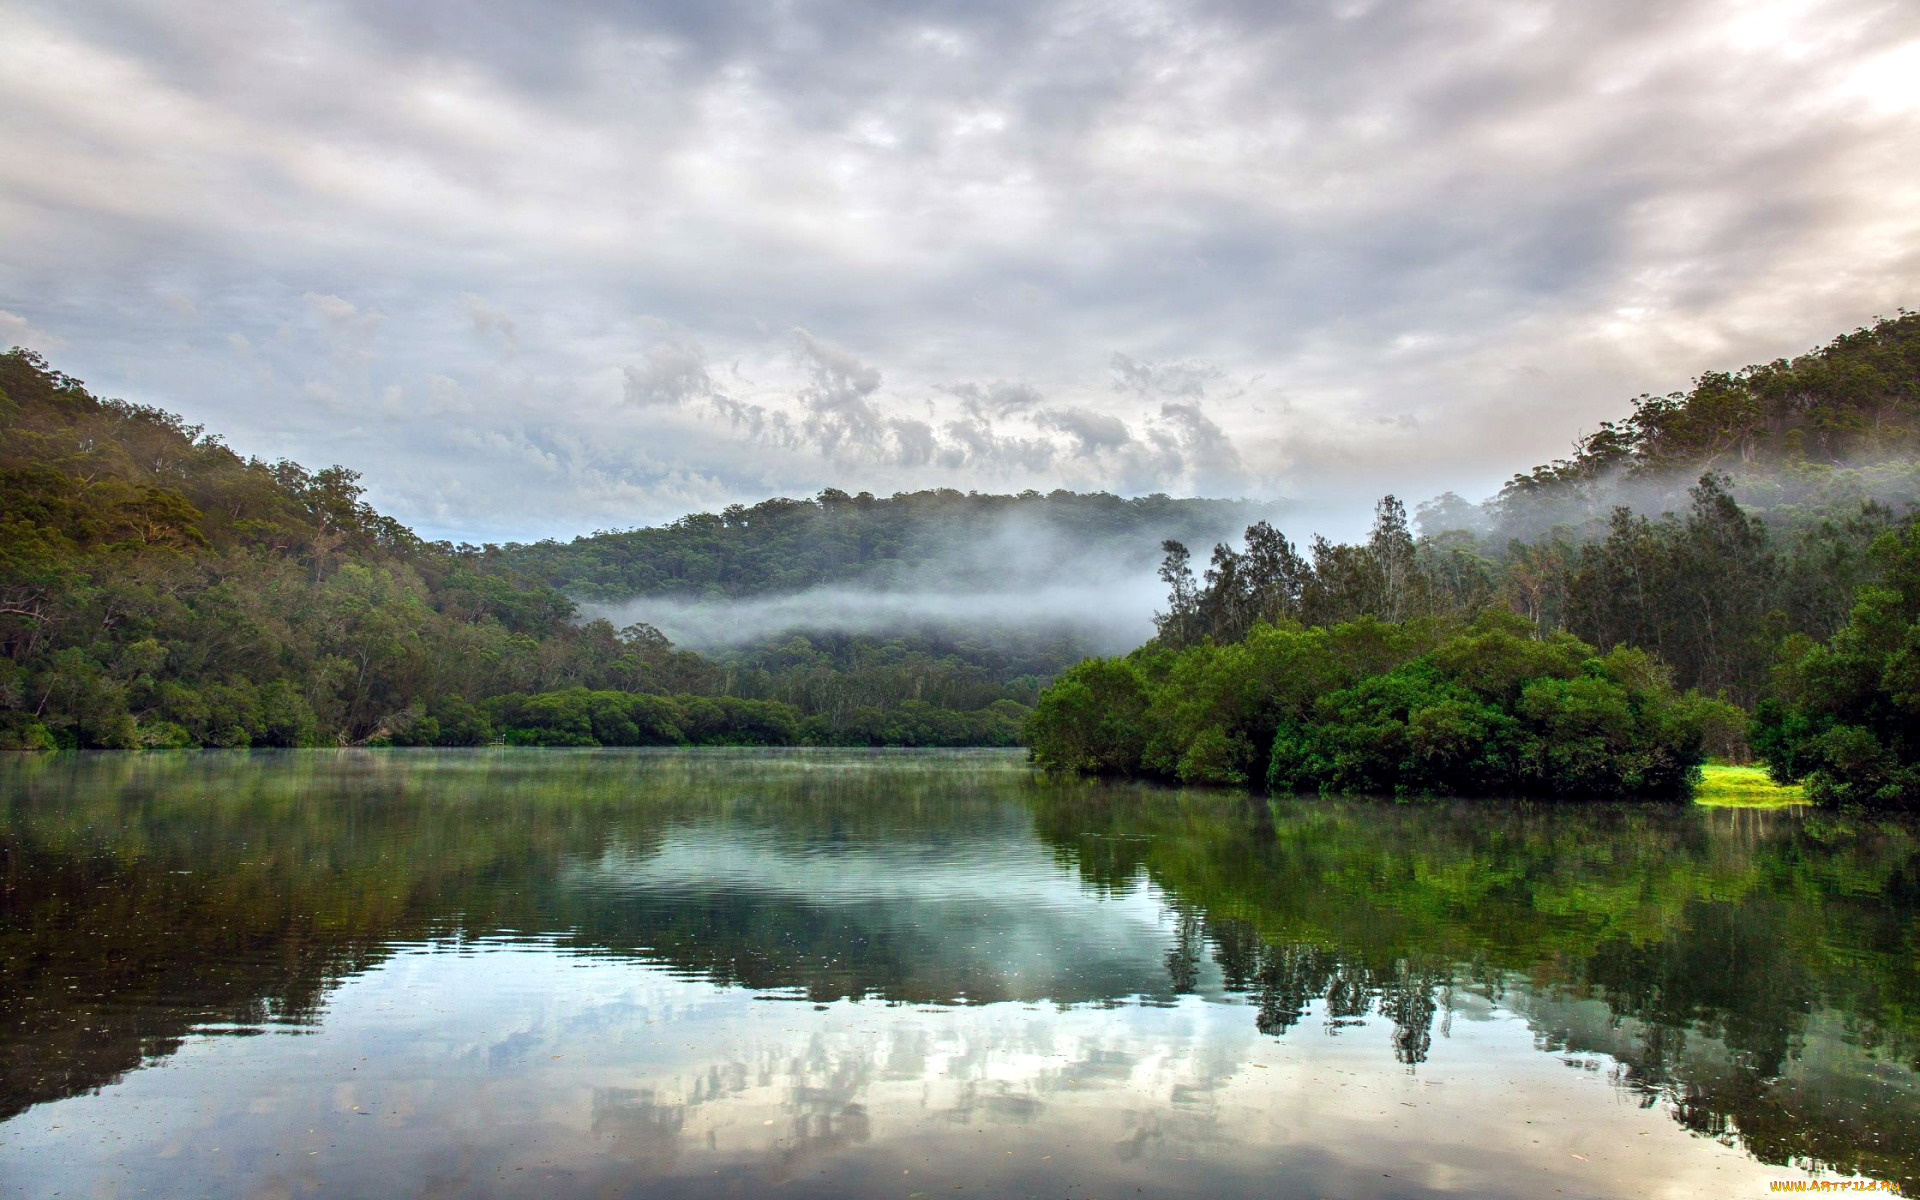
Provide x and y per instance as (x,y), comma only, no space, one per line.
(1368,706)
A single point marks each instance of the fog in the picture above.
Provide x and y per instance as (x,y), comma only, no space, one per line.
(1027,575)
(1021,574)
(1779,496)
(1108,615)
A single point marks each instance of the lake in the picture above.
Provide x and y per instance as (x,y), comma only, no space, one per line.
(926,974)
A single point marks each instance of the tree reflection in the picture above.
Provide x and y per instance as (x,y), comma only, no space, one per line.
(1754,974)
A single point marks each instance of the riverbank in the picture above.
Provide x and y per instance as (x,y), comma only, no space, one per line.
(1726,786)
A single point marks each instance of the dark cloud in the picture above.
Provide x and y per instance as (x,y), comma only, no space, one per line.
(537,267)
(671,374)
(1091,431)
(996,399)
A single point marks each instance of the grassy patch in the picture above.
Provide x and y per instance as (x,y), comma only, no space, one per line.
(1744,787)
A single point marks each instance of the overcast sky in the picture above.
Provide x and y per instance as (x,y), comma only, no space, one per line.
(548,267)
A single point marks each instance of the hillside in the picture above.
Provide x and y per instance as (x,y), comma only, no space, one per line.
(159,589)
(939,538)
(1797,439)
(1852,401)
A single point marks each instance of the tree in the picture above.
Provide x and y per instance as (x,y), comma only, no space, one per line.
(1391,545)
(1276,574)
(1846,714)
(1180,624)
(1090,720)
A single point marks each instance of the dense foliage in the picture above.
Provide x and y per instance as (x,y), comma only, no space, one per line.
(1710,590)
(1423,707)
(1494,713)
(157,589)
(1846,714)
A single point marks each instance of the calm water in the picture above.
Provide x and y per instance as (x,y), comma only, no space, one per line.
(640,974)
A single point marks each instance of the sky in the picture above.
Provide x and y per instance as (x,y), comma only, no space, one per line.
(537,269)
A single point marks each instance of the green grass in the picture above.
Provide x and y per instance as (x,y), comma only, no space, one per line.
(1744,787)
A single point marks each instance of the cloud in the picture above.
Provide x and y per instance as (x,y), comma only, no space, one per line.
(841,416)
(1091,431)
(490,324)
(1205,447)
(997,399)
(343,317)
(1184,379)
(837,408)
(1324,250)
(672,374)
(16,330)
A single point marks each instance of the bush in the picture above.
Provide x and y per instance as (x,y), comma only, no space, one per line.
(19,731)
(1495,713)
(1092,721)
(164,735)
(1370,706)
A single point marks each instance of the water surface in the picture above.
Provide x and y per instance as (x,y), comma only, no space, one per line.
(716,973)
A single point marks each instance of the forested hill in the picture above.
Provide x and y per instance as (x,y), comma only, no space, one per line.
(1754,541)
(1795,438)
(1856,399)
(939,538)
(1703,527)
(158,589)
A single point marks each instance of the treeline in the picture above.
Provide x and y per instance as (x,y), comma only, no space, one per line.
(1710,590)
(1721,600)
(158,589)
(584,717)
(1369,706)
(1844,715)
(939,537)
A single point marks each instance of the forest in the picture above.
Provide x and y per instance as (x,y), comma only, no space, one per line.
(157,589)
(1732,570)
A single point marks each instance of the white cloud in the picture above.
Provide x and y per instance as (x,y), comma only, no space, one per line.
(16,330)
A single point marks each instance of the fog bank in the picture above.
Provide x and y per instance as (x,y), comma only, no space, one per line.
(1110,615)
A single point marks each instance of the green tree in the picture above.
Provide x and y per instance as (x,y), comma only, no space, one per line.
(1846,714)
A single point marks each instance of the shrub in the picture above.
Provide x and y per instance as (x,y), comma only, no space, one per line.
(1371,706)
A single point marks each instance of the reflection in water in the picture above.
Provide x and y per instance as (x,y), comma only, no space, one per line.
(684,973)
